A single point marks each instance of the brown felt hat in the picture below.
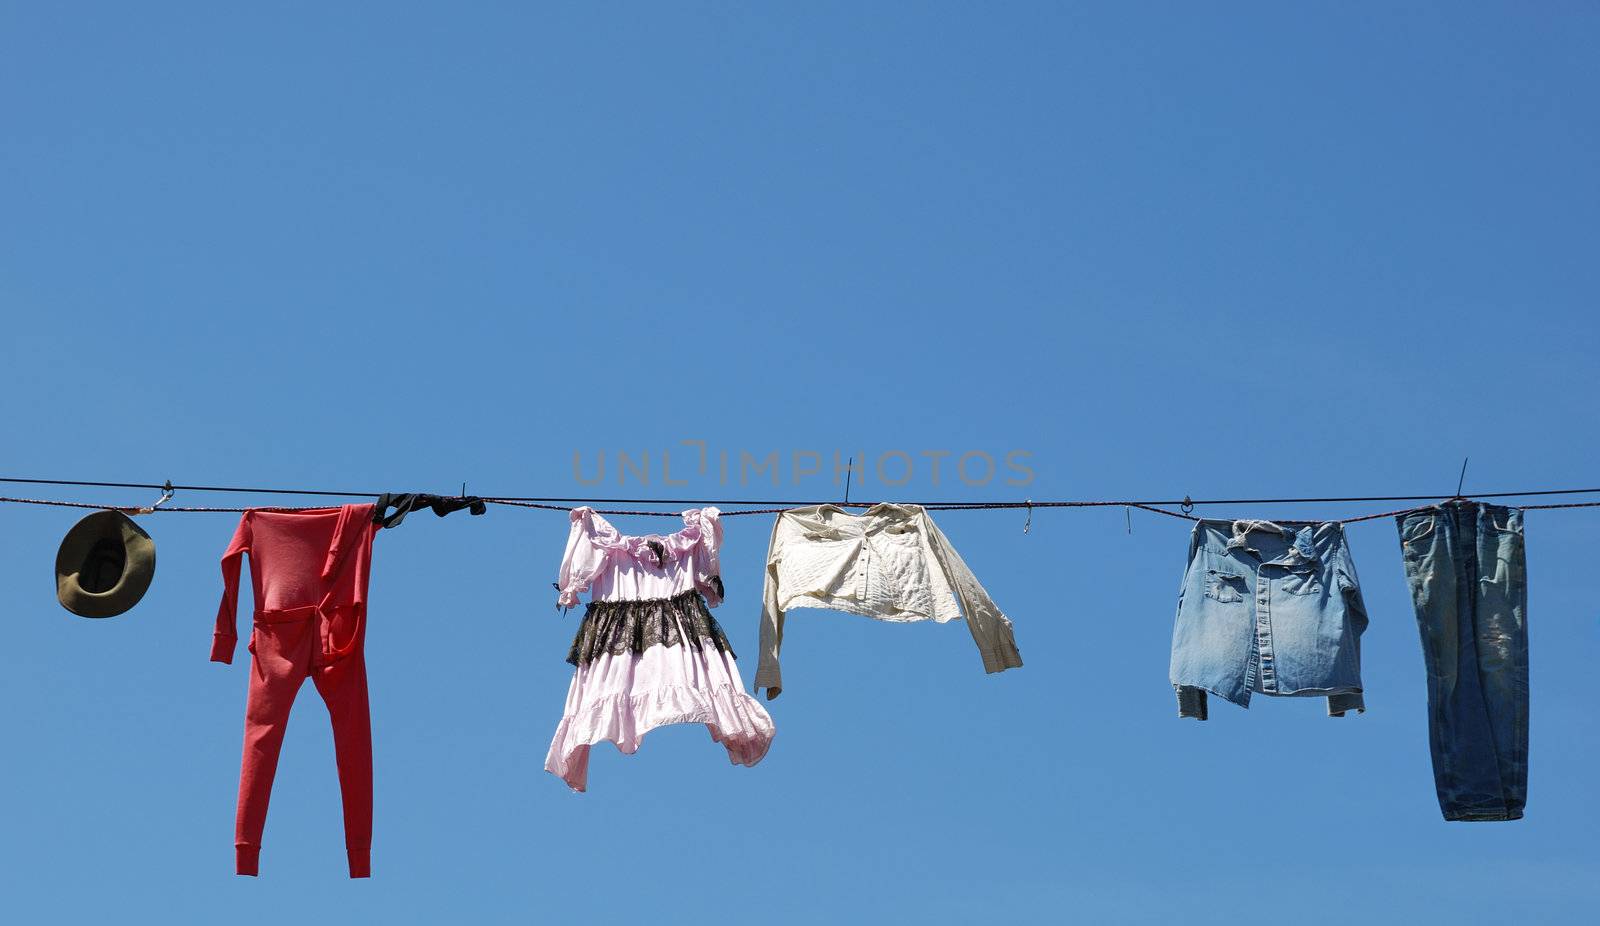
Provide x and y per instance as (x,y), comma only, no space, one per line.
(104,566)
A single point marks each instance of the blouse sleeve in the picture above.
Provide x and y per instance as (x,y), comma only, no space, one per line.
(708,557)
(582,561)
(991,629)
(769,674)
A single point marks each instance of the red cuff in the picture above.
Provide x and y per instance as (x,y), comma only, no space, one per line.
(249,860)
(360,862)
(222,648)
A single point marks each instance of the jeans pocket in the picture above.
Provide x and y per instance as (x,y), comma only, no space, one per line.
(1508,523)
(1509,567)
(1415,531)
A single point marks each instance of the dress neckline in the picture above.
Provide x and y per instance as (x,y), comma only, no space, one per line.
(606,536)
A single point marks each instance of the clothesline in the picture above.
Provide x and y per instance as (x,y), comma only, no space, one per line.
(766,506)
(1268,607)
(244,490)
(514,503)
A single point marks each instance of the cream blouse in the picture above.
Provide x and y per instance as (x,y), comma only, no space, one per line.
(891,563)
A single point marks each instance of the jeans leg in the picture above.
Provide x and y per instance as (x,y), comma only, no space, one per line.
(1439,570)
(1476,791)
(1502,648)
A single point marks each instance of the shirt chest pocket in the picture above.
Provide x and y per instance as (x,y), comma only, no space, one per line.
(1226,587)
(1302,580)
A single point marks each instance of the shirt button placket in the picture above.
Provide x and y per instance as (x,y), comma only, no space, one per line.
(1269,681)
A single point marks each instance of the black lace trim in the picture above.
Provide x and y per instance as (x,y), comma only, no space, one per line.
(619,627)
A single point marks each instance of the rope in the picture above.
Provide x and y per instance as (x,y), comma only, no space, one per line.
(132,509)
(766,507)
(567,503)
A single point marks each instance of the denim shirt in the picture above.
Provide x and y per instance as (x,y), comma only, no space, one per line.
(1269,607)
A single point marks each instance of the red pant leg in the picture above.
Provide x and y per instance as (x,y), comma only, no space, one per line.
(343,686)
(282,655)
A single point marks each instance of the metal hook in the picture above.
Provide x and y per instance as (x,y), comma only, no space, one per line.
(1188,505)
(167,492)
(1127,513)
(1028,524)
(849,470)
(1463,480)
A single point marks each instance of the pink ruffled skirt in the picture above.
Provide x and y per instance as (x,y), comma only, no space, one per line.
(621,697)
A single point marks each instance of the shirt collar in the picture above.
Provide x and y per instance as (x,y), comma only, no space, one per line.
(1301,548)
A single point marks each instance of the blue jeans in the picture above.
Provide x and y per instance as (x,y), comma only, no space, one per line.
(1467,570)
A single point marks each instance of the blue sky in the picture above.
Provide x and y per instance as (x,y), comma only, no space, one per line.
(1241,251)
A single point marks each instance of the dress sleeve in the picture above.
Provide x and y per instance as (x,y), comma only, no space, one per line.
(226,636)
(991,630)
(708,557)
(768,673)
(582,561)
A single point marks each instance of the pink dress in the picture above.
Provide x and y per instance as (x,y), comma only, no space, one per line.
(648,652)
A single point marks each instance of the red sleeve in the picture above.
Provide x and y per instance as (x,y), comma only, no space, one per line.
(227,635)
(351,531)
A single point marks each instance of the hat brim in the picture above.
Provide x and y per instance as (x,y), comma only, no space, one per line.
(139,565)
